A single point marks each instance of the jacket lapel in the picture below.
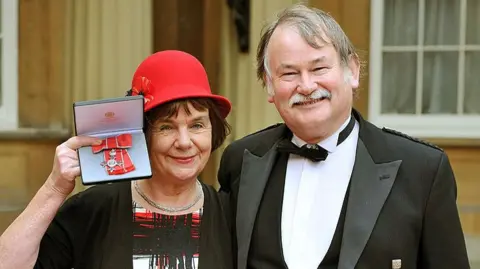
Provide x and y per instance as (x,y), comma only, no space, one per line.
(254,176)
(370,185)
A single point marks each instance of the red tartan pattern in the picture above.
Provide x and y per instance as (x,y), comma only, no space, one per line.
(165,242)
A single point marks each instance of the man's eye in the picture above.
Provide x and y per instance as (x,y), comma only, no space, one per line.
(318,69)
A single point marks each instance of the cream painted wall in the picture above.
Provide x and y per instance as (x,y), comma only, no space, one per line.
(238,82)
(251,111)
(105,42)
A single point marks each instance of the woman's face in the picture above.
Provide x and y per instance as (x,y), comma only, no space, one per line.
(180,146)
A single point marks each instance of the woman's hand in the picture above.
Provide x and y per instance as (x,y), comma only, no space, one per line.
(66,166)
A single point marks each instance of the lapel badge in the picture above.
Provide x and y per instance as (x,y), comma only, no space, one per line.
(397,264)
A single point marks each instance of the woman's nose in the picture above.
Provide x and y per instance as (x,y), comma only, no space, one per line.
(184,140)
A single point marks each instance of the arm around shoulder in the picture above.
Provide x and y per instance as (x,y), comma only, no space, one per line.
(443,242)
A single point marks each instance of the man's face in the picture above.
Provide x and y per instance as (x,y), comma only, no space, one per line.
(310,87)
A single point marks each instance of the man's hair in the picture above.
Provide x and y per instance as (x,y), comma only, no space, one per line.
(314,26)
(220,127)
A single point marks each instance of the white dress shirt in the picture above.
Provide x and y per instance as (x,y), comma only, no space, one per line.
(313,198)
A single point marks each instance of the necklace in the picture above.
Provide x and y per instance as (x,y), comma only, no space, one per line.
(169,209)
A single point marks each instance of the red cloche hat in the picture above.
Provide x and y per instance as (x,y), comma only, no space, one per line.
(171,75)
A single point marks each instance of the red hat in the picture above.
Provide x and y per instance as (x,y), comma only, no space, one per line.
(171,75)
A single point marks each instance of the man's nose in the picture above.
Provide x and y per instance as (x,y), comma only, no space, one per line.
(307,84)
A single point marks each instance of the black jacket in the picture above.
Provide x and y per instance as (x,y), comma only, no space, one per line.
(402,202)
(93,230)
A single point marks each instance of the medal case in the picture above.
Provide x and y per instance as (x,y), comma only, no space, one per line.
(123,154)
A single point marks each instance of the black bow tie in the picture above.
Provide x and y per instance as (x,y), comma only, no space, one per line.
(314,152)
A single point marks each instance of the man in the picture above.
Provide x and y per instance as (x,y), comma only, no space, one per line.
(355,196)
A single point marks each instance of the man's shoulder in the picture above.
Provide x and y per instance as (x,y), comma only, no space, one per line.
(265,135)
(257,143)
(408,142)
(395,140)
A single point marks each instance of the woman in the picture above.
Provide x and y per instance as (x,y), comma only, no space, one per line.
(169,221)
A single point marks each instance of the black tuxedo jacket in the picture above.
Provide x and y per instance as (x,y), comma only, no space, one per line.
(402,202)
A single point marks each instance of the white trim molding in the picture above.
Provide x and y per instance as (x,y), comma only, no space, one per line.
(420,125)
(9,65)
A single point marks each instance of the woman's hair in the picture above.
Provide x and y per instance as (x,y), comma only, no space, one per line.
(220,127)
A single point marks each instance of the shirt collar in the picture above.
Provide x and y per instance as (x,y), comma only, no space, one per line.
(329,143)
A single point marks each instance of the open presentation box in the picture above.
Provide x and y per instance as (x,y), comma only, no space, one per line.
(123,154)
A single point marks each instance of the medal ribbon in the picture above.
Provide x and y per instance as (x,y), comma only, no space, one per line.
(122,141)
(117,161)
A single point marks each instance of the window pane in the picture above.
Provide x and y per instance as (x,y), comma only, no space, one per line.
(472,83)
(398,82)
(400,22)
(440,73)
(1,60)
(1,71)
(442,22)
(473,22)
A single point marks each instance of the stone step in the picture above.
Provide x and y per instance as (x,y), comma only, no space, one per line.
(470,218)
(473,248)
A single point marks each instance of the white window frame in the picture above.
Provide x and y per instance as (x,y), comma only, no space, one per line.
(9,64)
(427,126)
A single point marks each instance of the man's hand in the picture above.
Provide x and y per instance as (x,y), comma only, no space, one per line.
(66,166)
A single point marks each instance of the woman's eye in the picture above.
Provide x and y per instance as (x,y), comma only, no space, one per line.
(197,126)
(164,128)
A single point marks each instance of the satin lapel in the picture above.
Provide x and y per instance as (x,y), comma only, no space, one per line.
(254,176)
(370,186)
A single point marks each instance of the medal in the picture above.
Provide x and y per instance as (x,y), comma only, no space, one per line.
(111,163)
(116,161)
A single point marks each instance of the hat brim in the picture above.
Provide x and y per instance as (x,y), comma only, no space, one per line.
(180,92)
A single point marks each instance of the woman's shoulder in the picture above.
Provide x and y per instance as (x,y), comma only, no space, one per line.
(210,192)
(216,200)
(207,188)
(104,190)
(97,197)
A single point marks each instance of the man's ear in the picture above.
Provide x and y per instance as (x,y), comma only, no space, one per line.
(353,72)
(270,98)
(270,92)
(269,88)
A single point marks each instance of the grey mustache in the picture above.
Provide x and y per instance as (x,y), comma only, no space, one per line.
(318,94)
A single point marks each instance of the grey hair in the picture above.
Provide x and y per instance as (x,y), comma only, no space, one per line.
(314,26)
